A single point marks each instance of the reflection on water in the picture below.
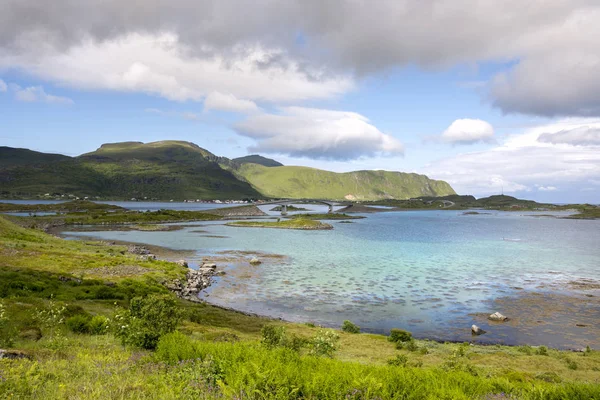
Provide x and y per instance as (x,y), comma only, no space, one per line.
(432,272)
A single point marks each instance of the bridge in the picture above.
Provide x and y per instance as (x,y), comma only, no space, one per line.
(285,203)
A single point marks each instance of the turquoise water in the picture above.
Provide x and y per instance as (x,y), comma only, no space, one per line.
(427,271)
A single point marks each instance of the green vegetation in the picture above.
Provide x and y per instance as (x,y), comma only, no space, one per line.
(289,208)
(497,202)
(331,216)
(348,326)
(160,170)
(586,212)
(71,338)
(399,335)
(116,218)
(181,170)
(68,206)
(295,223)
(309,183)
(257,159)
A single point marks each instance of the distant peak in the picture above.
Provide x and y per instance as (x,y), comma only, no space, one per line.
(258,159)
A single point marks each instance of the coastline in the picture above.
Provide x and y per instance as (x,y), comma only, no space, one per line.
(519,305)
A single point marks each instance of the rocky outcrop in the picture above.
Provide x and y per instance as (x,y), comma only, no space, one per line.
(195,282)
(255,261)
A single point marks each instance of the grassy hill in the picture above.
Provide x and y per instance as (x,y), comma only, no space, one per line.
(257,159)
(307,183)
(181,170)
(161,170)
(13,157)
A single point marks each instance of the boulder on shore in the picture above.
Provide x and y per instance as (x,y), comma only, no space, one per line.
(475,330)
(497,317)
(182,263)
(255,261)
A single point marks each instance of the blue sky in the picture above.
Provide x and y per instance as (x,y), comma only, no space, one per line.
(363,87)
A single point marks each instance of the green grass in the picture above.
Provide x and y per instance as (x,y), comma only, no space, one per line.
(310,183)
(115,218)
(69,206)
(295,223)
(586,212)
(160,170)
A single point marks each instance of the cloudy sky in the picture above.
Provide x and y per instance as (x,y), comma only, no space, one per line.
(488,95)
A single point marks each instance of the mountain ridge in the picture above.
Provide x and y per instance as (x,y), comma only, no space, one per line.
(171,169)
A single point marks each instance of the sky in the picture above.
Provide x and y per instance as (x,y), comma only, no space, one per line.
(491,96)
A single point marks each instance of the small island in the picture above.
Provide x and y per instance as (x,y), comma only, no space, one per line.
(296,223)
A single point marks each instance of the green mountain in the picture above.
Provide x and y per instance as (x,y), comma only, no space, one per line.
(258,159)
(161,170)
(182,170)
(311,183)
(12,157)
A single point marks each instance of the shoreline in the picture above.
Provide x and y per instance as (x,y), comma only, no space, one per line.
(232,259)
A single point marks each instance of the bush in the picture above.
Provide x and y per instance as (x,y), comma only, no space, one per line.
(541,351)
(399,335)
(525,349)
(273,336)
(571,364)
(349,327)
(31,333)
(276,336)
(78,324)
(147,319)
(325,343)
(99,325)
(399,361)
(175,347)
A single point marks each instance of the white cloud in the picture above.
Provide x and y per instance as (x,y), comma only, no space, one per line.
(189,115)
(38,94)
(317,134)
(547,188)
(580,136)
(551,44)
(522,162)
(161,64)
(3,86)
(228,102)
(468,131)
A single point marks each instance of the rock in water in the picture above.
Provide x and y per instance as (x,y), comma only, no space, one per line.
(255,261)
(497,317)
(475,330)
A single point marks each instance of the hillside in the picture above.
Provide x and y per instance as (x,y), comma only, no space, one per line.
(161,170)
(304,182)
(258,159)
(182,170)
(13,157)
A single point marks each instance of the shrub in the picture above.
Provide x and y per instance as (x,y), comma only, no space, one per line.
(399,361)
(78,324)
(147,319)
(99,325)
(525,349)
(325,343)
(174,347)
(31,333)
(541,351)
(276,336)
(571,364)
(72,310)
(349,327)
(399,335)
(273,336)
(551,377)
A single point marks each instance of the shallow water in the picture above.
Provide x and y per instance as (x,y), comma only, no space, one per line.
(431,272)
